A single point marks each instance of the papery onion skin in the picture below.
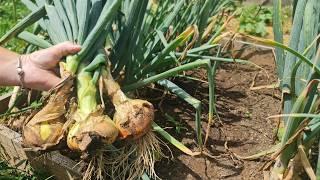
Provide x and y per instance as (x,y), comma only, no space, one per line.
(45,129)
(134,118)
(96,129)
(91,127)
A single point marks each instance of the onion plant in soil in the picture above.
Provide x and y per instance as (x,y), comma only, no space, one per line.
(148,41)
(298,71)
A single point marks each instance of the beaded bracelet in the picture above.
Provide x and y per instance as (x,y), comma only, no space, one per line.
(20,73)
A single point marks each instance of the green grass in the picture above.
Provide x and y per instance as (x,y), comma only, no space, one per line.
(4,90)
(254,20)
(10,13)
(9,173)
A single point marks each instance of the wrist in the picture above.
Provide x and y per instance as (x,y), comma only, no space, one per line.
(36,76)
(8,72)
(19,69)
(16,72)
(20,72)
(29,78)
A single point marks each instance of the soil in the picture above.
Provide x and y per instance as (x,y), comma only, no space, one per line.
(243,114)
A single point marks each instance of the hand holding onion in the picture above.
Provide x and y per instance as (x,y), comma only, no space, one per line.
(45,129)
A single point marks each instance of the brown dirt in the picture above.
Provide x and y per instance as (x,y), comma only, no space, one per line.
(243,113)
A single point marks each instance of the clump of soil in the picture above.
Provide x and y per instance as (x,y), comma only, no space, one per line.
(243,114)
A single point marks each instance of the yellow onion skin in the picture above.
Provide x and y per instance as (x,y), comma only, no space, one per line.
(45,129)
(134,118)
(93,130)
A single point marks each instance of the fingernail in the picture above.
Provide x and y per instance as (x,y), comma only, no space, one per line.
(76,46)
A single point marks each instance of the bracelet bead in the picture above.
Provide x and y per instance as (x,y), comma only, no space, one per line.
(20,72)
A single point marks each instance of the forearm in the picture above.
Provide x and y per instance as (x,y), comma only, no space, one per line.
(8,66)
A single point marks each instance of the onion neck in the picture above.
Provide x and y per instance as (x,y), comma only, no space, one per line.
(87,102)
(72,63)
(113,89)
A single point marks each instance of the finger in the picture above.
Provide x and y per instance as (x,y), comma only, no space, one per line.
(64,49)
(48,58)
(51,81)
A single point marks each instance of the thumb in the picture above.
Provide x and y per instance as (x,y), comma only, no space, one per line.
(64,49)
(48,58)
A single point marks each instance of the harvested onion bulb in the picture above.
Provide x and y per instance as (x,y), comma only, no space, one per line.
(91,127)
(133,117)
(45,129)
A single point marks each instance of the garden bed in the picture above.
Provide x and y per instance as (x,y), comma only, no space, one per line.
(243,113)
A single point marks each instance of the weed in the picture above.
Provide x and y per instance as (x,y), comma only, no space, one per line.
(178,126)
(10,13)
(254,19)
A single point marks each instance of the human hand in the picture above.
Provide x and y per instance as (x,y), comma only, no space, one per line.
(39,66)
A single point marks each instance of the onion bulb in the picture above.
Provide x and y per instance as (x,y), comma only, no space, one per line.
(133,117)
(45,129)
(91,127)
(97,128)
